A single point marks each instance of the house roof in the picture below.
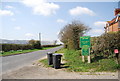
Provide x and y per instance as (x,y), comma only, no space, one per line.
(117,17)
(114,20)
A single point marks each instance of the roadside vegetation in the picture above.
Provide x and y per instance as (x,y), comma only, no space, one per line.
(17,52)
(45,63)
(33,45)
(71,33)
(102,48)
(12,52)
(105,44)
(73,61)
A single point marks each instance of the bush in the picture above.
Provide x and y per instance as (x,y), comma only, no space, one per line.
(105,44)
(35,43)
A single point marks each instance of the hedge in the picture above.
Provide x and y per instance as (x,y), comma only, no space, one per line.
(105,44)
(9,47)
(15,47)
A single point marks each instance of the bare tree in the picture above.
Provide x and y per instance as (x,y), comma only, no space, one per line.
(71,33)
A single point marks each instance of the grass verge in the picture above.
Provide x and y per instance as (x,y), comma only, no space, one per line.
(45,63)
(62,50)
(74,61)
(45,48)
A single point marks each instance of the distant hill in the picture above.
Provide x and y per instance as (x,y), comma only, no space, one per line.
(4,41)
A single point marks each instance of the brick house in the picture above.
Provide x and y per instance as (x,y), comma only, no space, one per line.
(114,24)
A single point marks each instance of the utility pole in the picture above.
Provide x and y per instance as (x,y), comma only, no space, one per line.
(40,38)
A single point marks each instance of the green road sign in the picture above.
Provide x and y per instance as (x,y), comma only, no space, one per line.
(85,51)
(85,40)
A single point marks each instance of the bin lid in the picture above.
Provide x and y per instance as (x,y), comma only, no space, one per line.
(57,54)
(49,53)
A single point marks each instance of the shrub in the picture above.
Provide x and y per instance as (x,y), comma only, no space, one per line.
(35,43)
(105,44)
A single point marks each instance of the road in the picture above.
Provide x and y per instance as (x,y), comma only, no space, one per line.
(13,62)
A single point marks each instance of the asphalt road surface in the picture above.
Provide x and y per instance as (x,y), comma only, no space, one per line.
(13,62)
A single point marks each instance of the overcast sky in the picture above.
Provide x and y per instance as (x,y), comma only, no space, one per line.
(24,20)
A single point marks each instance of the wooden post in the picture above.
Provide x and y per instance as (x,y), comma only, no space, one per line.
(89,61)
(83,58)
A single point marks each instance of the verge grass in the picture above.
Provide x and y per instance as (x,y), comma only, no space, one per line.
(45,63)
(74,61)
(62,50)
(45,48)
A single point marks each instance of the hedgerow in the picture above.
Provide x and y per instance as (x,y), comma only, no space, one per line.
(105,44)
(9,47)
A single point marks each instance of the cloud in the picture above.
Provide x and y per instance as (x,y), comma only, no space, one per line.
(81,10)
(9,7)
(98,28)
(29,35)
(41,7)
(96,32)
(18,28)
(60,21)
(100,24)
(6,12)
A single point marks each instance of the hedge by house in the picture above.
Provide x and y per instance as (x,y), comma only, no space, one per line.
(105,44)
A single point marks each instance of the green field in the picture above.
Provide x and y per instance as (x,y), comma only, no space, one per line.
(22,51)
(74,62)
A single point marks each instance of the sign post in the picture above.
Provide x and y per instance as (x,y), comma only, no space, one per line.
(85,45)
(83,58)
(89,61)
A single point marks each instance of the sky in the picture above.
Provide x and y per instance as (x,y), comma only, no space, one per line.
(24,20)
